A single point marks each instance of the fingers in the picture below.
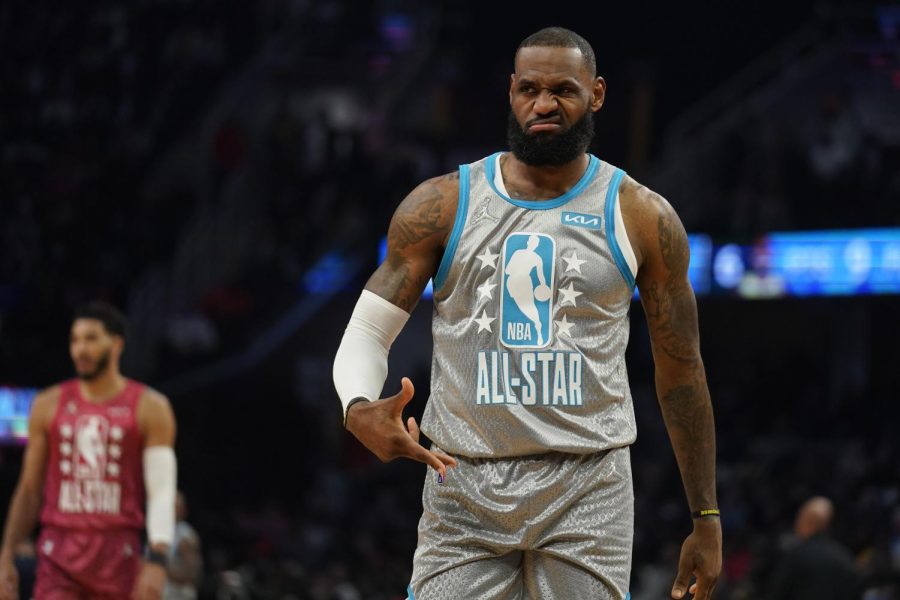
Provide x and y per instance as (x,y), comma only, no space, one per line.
(437,460)
(429,458)
(446,459)
(413,429)
(682,579)
(703,588)
(415,433)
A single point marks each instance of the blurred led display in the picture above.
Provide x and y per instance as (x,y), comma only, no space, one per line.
(15,406)
(828,263)
(328,275)
(699,271)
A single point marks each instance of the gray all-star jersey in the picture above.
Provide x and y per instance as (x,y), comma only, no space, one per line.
(531,320)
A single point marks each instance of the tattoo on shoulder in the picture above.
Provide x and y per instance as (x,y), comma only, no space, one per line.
(422,214)
(425,215)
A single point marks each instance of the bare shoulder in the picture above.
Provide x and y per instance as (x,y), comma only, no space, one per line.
(156,418)
(426,214)
(418,234)
(153,401)
(44,406)
(640,199)
(651,222)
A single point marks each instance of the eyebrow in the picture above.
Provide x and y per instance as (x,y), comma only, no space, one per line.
(565,81)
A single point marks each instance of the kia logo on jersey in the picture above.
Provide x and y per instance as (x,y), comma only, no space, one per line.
(528,285)
(581,220)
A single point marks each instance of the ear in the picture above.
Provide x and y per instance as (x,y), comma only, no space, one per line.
(512,83)
(598,94)
(118,345)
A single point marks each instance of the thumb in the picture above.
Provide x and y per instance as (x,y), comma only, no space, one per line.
(401,399)
(682,579)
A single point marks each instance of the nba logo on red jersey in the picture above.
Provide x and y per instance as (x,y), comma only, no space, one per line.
(88,453)
(91,434)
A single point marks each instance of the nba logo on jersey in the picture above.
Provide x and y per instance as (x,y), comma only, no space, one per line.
(528,285)
(90,446)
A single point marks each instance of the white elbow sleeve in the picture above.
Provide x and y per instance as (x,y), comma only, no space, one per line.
(361,365)
(160,475)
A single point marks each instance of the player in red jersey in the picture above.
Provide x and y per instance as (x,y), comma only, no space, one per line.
(100,449)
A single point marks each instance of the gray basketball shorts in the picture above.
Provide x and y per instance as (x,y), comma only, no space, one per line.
(533,527)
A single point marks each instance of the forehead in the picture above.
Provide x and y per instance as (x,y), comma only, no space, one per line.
(85,326)
(548,62)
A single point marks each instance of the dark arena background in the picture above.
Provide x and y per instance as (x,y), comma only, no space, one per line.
(225,173)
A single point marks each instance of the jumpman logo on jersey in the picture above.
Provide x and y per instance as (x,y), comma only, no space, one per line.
(526,300)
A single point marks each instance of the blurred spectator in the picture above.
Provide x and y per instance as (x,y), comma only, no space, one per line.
(185,559)
(817,568)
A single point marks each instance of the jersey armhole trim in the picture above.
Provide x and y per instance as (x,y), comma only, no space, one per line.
(623,240)
(612,196)
(462,207)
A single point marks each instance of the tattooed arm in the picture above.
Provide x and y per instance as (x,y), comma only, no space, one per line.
(417,237)
(662,250)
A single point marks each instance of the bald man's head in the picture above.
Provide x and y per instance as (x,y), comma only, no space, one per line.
(813,517)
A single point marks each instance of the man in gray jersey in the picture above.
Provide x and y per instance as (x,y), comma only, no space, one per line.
(535,254)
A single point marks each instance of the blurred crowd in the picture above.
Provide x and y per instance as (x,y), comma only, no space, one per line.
(317,140)
(93,95)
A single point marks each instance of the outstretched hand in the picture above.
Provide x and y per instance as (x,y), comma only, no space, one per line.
(701,557)
(379,426)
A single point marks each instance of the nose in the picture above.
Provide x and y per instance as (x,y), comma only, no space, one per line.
(545,103)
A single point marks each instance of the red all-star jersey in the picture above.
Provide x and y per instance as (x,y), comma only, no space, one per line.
(94,477)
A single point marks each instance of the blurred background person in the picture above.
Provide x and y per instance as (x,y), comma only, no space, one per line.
(185,568)
(816,567)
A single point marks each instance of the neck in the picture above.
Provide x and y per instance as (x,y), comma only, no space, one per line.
(103,387)
(541,182)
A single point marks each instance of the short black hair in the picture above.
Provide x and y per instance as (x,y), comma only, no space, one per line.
(111,317)
(560,37)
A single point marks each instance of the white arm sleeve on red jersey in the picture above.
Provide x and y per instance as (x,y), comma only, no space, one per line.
(160,474)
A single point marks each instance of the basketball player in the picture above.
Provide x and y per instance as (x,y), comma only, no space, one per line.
(99,447)
(536,422)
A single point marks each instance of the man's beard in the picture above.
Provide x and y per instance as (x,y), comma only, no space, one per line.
(550,150)
(102,364)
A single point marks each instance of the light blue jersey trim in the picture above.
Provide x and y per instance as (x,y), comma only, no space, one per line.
(612,194)
(589,173)
(411,596)
(462,207)
(628,596)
